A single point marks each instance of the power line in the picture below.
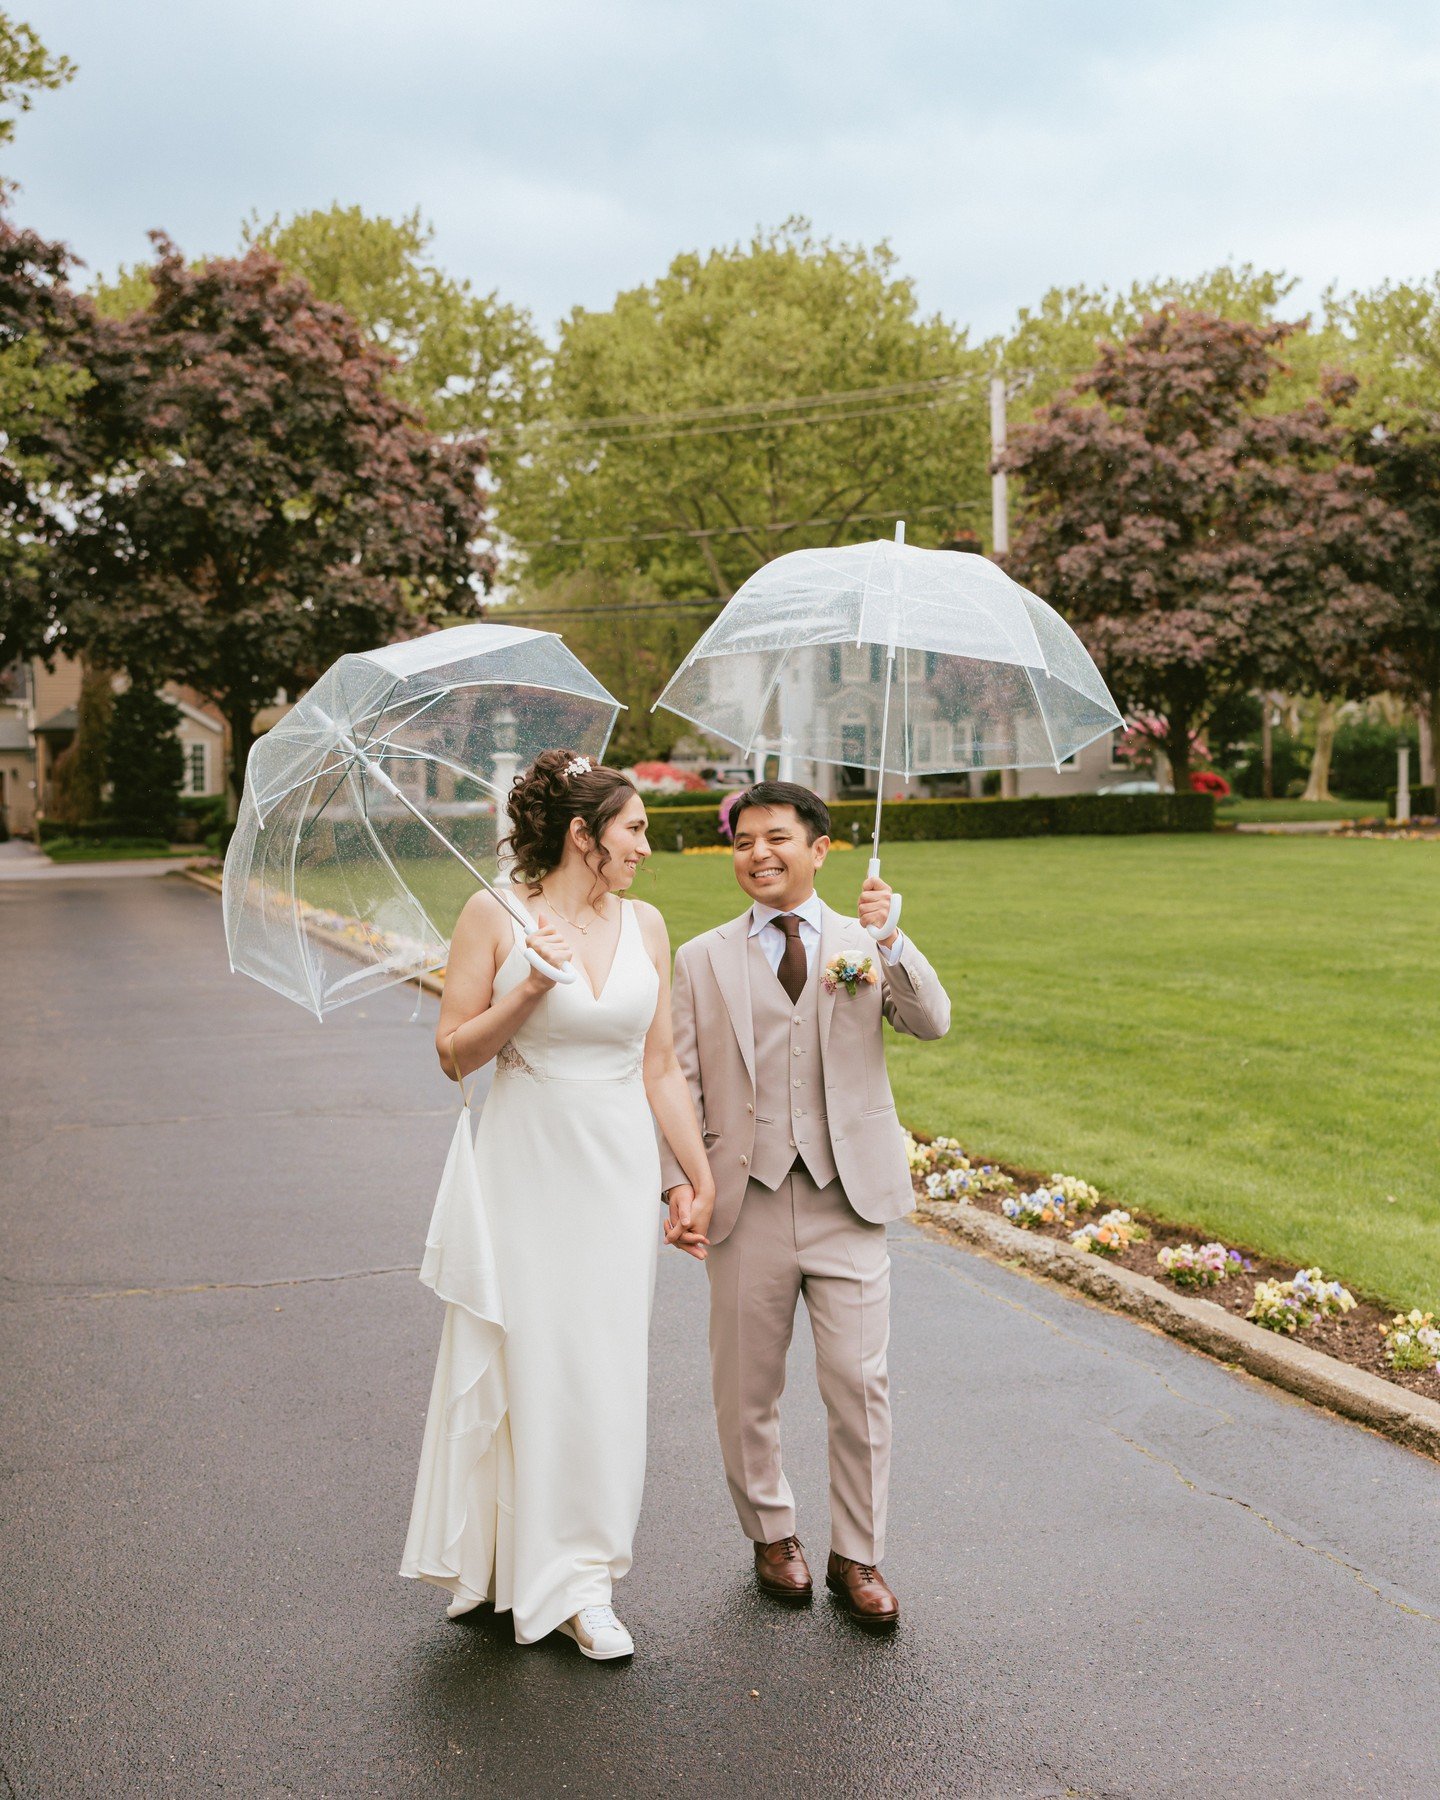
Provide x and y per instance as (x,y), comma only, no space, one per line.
(738,408)
(612,611)
(715,531)
(731,430)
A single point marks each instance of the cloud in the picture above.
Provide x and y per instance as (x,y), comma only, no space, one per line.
(567,150)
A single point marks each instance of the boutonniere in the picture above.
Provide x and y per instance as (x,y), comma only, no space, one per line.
(848,972)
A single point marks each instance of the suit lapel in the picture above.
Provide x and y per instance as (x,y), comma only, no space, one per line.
(832,942)
(730,959)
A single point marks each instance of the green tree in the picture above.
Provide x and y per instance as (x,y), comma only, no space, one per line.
(773,395)
(264,503)
(1391,338)
(45,336)
(467,361)
(1052,346)
(26,68)
(144,762)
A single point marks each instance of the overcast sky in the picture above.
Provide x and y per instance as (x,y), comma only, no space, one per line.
(566,149)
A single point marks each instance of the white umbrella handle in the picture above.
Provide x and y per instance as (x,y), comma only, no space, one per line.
(564,975)
(892,918)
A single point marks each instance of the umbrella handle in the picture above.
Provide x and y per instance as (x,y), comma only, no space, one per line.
(892,918)
(563,975)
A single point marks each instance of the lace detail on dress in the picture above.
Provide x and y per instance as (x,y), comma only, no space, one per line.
(508,1057)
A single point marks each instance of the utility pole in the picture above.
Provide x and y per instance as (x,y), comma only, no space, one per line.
(999,498)
(999,520)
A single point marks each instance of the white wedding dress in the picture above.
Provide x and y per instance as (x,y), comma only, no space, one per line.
(543,1247)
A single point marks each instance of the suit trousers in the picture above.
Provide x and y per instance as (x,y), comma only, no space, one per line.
(805,1240)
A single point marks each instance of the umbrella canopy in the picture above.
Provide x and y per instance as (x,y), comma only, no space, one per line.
(810,653)
(374,805)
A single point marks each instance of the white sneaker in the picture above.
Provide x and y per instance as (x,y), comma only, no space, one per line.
(599,1633)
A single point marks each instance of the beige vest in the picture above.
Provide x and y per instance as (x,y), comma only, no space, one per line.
(789,1078)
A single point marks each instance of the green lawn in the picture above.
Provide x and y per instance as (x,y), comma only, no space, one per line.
(1284,812)
(1239,1034)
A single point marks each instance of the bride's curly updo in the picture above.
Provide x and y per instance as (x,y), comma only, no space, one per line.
(545,798)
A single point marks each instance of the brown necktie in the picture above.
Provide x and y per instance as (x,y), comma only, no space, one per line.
(792,969)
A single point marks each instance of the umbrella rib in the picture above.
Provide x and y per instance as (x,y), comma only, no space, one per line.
(1049,737)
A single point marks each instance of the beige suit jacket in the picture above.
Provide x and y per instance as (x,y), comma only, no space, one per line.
(715,1041)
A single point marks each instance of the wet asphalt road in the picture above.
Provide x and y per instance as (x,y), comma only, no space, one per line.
(1126,1570)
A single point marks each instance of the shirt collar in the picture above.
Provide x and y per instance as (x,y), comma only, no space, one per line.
(811,910)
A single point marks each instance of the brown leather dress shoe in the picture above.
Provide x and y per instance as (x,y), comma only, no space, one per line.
(863,1592)
(782,1571)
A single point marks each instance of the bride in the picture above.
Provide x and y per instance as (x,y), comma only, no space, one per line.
(534,1453)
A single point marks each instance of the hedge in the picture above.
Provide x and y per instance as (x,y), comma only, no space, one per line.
(1422,802)
(1036,815)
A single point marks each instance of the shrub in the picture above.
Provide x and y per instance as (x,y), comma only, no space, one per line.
(145,763)
(1035,815)
(1362,762)
(1209,781)
(1422,801)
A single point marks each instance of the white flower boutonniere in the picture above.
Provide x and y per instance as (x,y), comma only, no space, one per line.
(850,973)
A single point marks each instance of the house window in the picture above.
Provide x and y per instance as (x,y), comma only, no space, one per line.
(195,782)
(877,662)
(852,745)
(1116,760)
(835,666)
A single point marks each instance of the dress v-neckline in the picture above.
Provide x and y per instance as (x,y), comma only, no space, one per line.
(582,973)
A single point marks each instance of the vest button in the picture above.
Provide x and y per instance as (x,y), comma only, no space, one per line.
(798,1019)
(795,1083)
(744,1162)
(795,1051)
(749,1107)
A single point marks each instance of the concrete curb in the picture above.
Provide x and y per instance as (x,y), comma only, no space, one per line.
(1324,1380)
(1408,1418)
(432,984)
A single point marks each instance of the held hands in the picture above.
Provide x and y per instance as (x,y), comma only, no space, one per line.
(875,898)
(546,942)
(688,1223)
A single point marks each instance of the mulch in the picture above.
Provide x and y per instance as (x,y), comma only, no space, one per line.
(1355,1339)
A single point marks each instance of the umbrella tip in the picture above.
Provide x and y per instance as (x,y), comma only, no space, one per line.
(899,531)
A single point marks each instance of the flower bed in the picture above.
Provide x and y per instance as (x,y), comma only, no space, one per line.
(1403,1348)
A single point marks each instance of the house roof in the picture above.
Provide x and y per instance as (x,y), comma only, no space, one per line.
(14,734)
(67,719)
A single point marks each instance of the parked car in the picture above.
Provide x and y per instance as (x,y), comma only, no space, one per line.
(1134,787)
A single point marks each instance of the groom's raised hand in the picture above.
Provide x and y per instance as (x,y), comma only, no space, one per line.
(684,1226)
(874,908)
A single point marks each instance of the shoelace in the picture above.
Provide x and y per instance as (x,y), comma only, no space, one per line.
(791,1548)
(866,1571)
(599,1618)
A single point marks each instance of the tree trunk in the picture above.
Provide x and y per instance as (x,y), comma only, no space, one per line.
(1427,741)
(1177,751)
(241,721)
(1318,786)
(1267,750)
(1434,741)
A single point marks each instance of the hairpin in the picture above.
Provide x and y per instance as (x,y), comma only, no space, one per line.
(578,765)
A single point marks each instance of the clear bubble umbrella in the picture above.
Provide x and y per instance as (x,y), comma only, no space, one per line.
(374,806)
(887,657)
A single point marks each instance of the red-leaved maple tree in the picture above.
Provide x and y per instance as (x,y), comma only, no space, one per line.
(260,503)
(1199,543)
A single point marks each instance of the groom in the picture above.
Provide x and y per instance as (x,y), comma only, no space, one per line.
(787,1069)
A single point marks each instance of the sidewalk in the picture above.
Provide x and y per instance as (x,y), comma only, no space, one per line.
(21,861)
(1126,1571)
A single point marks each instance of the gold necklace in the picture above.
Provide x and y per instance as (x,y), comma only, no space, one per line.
(584,930)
